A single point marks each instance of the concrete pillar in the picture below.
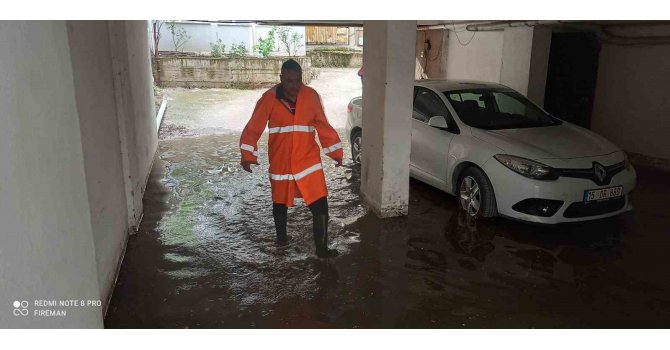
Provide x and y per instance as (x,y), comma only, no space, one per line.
(389,63)
(525,60)
(136,112)
(46,245)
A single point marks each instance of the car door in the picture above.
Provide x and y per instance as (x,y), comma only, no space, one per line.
(430,145)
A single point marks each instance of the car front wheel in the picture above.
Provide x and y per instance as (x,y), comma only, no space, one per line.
(476,196)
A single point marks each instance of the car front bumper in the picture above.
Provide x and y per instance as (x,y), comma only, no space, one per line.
(511,188)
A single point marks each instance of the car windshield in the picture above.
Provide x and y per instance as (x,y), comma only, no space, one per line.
(495,109)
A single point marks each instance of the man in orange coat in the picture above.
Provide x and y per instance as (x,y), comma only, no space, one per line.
(293,112)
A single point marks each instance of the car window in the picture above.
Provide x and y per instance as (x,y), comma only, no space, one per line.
(466,96)
(428,104)
(507,104)
(497,109)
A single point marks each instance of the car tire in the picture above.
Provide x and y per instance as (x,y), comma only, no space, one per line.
(475,194)
(356,142)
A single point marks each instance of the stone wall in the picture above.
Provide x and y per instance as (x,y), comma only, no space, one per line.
(341,59)
(206,72)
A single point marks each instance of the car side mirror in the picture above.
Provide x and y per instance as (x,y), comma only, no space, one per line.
(438,121)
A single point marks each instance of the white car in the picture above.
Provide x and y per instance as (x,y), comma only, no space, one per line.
(502,155)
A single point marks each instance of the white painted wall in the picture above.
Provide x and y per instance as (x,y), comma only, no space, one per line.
(133,88)
(476,59)
(525,60)
(202,34)
(631,106)
(46,240)
(517,48)
(143,118)
(96,104)
(78,140)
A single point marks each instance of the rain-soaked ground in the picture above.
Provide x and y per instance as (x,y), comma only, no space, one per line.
(205,257)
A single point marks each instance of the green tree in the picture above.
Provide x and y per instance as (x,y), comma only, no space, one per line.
(179,35)
(266,45)
(291,40)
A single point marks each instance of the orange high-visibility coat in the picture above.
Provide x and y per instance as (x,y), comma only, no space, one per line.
(295,160)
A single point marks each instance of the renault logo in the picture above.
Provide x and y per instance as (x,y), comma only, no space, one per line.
(600,171)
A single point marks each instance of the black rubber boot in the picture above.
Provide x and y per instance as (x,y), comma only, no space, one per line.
(321,237)
(281,219)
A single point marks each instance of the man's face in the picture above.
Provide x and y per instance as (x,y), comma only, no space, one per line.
(291,81)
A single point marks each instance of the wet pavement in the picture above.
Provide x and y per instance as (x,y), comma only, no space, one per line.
(205,257)
(213,111)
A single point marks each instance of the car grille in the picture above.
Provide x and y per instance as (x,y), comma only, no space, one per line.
(581,209)
(590,174)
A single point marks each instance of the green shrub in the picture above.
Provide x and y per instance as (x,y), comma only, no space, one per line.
(266,45)
(240,50)
(217,48)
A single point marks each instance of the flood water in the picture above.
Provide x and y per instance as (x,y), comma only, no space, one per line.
(205,257)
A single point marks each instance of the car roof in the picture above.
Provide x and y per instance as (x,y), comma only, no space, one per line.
(451,85)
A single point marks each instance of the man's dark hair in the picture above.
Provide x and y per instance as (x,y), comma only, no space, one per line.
(291,65)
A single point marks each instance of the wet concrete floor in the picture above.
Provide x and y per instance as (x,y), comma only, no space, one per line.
(205,254)
(205,257)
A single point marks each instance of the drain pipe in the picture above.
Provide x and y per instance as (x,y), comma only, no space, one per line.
(159,115)
(601,31)
(501,25)
(614,39)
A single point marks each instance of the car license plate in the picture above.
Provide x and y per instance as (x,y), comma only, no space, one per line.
(602,193)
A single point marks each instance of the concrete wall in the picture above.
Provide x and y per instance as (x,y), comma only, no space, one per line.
(96,105)
(322,58)
(78,140)
(525,60)
(539,64)
(133,88)
(202,34)
(516,57)
(432,62)
(143,113)
(475,58)
(631,106)
(223,72)
(46,243)
(517,47)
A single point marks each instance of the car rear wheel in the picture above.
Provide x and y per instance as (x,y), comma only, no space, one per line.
(475,194)
(356,139)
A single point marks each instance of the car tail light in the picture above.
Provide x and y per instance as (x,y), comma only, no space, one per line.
(350,107)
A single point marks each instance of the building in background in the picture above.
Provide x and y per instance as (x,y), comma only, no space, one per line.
(333,37)
(202,34)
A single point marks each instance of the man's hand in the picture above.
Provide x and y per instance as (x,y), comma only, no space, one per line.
(339,162)
(247,166)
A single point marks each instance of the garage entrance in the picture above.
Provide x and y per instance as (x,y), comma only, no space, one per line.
(571,76)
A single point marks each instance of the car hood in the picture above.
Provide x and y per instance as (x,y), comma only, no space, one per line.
(552,142)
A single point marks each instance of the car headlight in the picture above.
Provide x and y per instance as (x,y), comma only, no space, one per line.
(527,167)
